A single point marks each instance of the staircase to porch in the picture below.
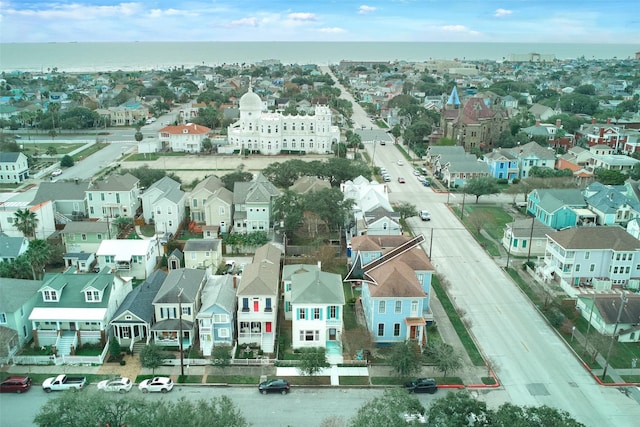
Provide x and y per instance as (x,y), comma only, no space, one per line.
(138,346)
(64,343)
(267,342)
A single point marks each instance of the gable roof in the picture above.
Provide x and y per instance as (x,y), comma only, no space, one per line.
(124,249)
(218,291)
(211,184)
(115,182)
(184,281)
(201,245)
(609,306)
(261,277)
(11,246)
(612,237)
(139,301)
(552,199)
(533,149)
(260,190)
(9,156)
(15,292)
(168,189)
(60,191)
(188,129)
(306,184)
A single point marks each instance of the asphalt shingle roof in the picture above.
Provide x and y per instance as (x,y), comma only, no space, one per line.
(139,302)
(613,237)
(15,292)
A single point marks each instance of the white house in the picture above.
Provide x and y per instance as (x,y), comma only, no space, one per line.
(128,257)
(163,204)
(203,253)
(184,138)
(257,312)
(273,133)
(253,204)
(44,213)
(13,167)
(114,196)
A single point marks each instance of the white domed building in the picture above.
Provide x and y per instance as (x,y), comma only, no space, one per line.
(273,133)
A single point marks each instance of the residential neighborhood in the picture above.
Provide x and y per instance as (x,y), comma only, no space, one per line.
(178,244)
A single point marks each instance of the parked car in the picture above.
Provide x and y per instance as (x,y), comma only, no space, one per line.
(386,178)
(119,384)
(401,180)
(420,178)
(275,386)
(422,385)
(63,382)
(426,183)
(161,384)
(164,239)
(400,163)
(416,172)
(425,215)
(56,172)
(15,385)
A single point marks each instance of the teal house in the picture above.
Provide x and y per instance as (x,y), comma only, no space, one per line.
(557,208)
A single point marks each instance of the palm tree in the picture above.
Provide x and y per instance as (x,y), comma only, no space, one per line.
(38,256)
(26,222)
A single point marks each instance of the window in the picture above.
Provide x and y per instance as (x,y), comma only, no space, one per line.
(396,329)
(316,314)
(195,203)
(186,311)
(592,268)
(220,318)
(577,268)
(83,236)
(309,335)
(381,307)
(221,210)
(92,296)
(380,329)
(50,296)
(267,307)
(398,307)
(333,312)
(223,332)
(587,255)
(301,314)
(102,196)
(245,304)
(3,318)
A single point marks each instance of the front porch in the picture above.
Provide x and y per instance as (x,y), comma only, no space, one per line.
(166,333)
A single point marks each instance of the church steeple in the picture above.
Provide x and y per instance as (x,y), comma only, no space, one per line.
(454,100)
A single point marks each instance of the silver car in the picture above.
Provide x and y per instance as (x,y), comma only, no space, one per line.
(119,384)
(161,384)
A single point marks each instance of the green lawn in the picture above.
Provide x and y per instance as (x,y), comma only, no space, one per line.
(354,380)
(232,379)
(308,380)
(89,151)
(190,379)
(398,381)
(500,218)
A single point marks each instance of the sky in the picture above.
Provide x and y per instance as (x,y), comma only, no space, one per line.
(518,21)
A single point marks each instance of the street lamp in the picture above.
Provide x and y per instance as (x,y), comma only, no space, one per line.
(623,301)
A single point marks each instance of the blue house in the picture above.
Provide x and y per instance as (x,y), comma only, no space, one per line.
(17,299)
(612,204)
(216,321)
(395,275)
(502,165)
(558,208)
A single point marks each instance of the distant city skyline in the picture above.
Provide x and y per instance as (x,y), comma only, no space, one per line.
(527,21)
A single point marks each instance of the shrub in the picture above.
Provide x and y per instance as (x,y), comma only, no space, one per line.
(123,362)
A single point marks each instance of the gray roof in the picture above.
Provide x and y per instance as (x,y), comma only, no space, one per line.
(60,191)
(115,182)
(15,292)
(469,166)
(78,255)
(87,227)
(290,269)
(553,199)
(260,190)
(211,183)
(9,156)
(615,238)
(533,149)
(169,189)
(609,306)
(437,150)
(201,245)
(172,325)
(223,194)
(218,291)
(306,184)
(10,246)
(608,200)
(500,154)
(188,280)
(317,287)
(522,228)
(139,301)
(261,277)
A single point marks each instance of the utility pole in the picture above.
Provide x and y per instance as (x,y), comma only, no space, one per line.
(533,221)
(462,209)
(180,333)
(623,301)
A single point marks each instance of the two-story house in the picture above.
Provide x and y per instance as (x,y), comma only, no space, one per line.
(86,236)
(132,321)
(593,257)
(128,257)
(184,138)
(502,164)
(558,208)
(210,203)
(68,198)
(163,204)
(203,253)
(253,204)
(115,196)
(258,295)
(612,205)
(176,305)
(317,302)
(533,154)
(44,213)
(17,299)
(73,309)
(216,321)
(395,275)
(14,167)
(197,198)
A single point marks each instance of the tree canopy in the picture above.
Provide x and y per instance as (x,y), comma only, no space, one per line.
(406,358)
(387,410)
(313,360)
(481,186)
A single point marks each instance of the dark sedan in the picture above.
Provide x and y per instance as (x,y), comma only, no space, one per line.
(15,385)
(275,386)
(422,385)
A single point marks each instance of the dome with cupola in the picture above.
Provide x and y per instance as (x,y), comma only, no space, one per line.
(250,101)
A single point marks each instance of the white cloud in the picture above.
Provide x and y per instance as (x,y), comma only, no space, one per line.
(302,16)
(502,12)
(332,30)
(458,29)
(364,9)
(245,22)
(77,11)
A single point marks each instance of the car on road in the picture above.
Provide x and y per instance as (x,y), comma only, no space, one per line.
(425,215)
(15,385)
(416,172)
(426,183)
(401,180)
(400,163)
(161,384)
(275,386)
(56,172)
(17,136)
(118,384)
(421,385)
(386,178)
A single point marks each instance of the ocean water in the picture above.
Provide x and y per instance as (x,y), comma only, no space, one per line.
(76,57)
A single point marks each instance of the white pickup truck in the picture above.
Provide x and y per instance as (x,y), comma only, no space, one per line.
(63,382)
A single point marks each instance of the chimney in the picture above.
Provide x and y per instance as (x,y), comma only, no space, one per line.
(235,281)
(537,122)
(558,123)
(593,120)
(601,132)
(608,120)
